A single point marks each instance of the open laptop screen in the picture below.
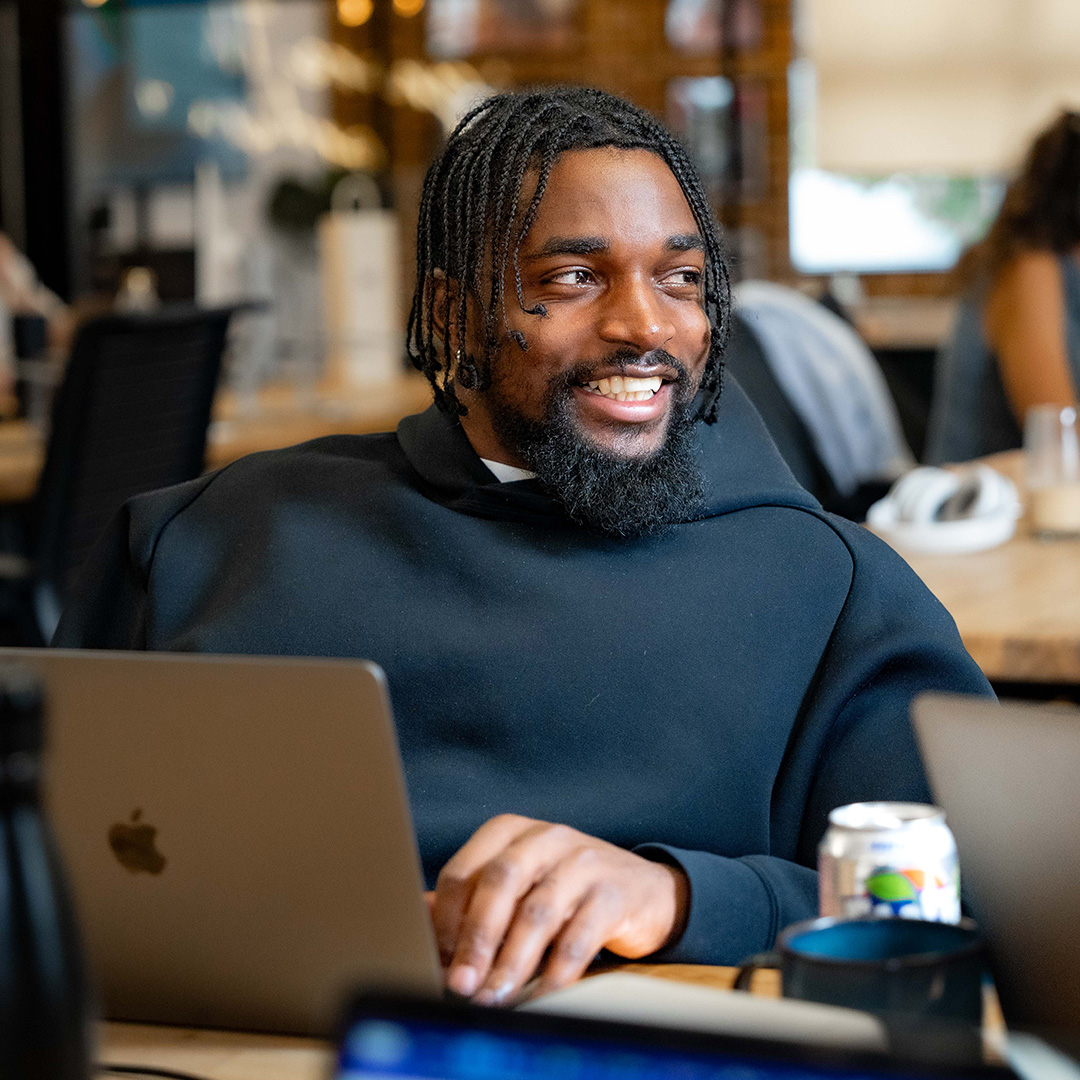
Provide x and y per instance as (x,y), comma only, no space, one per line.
(429,1041)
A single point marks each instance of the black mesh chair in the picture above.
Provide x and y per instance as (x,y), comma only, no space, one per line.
(129,416)
(746,360)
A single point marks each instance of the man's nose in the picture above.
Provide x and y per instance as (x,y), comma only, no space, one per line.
(634,316)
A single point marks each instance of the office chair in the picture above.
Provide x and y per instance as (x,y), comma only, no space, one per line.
(129,416)
(745,359)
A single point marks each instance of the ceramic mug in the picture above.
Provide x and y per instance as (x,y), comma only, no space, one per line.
(924,979)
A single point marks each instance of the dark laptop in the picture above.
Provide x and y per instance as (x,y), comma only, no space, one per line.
(1008,777)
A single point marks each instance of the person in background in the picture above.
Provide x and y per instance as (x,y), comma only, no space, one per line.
(22,293)
(1016,342)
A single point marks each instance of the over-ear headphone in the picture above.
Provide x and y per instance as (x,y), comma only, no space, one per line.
(945,511)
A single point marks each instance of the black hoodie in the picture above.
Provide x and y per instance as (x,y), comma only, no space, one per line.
(704,696)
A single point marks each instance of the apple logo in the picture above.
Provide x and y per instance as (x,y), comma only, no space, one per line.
(134,847)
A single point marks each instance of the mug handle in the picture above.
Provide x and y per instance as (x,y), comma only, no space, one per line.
(755,963)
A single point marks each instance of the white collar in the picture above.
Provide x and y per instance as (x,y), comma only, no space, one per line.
(506,473)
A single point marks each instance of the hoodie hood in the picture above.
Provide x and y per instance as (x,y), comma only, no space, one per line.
(738,459)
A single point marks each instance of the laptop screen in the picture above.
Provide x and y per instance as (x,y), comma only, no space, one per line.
(471,1044)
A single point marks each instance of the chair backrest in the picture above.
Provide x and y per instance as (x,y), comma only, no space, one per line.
(129,416)
(745,359)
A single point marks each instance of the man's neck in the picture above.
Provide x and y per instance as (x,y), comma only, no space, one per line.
(481,435)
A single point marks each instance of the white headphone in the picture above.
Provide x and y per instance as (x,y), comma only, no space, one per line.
(935,510)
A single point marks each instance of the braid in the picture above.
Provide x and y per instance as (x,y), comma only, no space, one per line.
(469,208)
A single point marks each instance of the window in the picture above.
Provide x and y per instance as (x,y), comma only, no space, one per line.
(907,118)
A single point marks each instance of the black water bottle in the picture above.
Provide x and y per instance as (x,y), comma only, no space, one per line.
(45,1014)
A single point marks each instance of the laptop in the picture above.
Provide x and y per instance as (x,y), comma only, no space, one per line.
(386,1037)
(236,833)
(1008,778)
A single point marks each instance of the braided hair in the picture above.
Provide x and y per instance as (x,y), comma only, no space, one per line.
(1041,207)
(469,231)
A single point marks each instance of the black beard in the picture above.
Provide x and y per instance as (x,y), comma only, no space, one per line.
(623,496)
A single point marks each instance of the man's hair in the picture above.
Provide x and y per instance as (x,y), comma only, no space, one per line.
(468,224)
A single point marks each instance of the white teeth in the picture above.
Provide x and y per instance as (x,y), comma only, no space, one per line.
(626,388)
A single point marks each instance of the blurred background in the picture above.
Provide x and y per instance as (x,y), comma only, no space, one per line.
(847,146)
(202,139)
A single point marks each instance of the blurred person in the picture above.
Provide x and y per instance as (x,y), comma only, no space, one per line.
(22,293)
(1016,341)
(633,664)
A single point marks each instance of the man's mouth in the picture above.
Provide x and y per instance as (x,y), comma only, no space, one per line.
(624,387)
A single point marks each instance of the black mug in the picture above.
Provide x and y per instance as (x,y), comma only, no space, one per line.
(923,979)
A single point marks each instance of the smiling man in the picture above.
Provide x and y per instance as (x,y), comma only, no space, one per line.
(633,664)
(601,410)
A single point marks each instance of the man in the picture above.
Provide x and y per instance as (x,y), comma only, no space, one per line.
(633,664)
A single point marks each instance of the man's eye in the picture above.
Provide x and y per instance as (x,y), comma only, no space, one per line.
(571,277)
(684,277)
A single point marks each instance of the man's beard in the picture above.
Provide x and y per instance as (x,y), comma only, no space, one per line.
(627,496)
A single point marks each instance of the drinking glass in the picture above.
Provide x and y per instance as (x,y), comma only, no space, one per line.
(1052,468)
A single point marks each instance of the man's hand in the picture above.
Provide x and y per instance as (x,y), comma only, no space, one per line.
(520,887)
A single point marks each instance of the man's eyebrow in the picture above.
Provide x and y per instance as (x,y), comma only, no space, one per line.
(685,242)
(569,245)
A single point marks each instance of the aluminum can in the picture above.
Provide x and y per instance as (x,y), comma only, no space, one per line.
(891,860)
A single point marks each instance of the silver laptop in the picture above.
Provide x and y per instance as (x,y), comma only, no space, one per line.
(1008,777)
(237,835)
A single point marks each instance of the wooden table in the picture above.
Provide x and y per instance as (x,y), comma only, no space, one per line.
(1017,606)
(280,416)
(276,416)
(904,322)
(227,1055)
(21,456)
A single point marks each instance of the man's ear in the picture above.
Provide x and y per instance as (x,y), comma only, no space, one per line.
(446,298)
(444,301)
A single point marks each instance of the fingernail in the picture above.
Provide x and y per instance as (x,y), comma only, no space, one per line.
(502,991)
(485,997)
(462,980)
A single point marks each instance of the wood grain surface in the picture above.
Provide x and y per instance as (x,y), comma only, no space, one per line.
(1017,606)
(281,416)
(215,1055)
(228,1055)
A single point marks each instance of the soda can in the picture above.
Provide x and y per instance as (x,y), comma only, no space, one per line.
(891,860)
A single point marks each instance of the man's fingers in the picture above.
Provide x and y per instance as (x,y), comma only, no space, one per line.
(538,918)
(498,887)
(457,880)
(578,943)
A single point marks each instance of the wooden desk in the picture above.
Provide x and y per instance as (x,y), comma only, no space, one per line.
(22,455)
(1017,606)
(226,1055)
(278,418)
(273,419)
(216,1055)
(895,322)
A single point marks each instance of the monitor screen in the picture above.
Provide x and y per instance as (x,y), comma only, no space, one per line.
(378,1044)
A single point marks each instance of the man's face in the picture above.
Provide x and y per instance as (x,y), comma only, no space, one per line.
(616,259)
